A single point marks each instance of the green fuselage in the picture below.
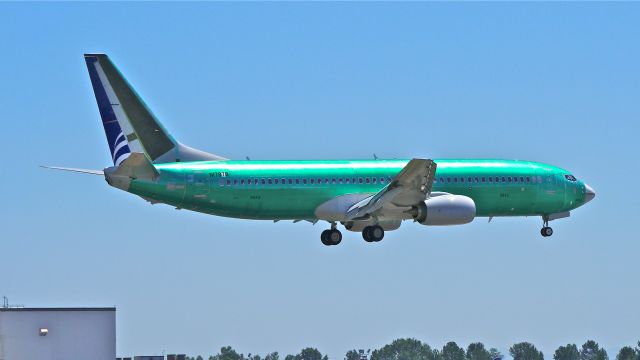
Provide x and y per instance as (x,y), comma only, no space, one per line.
(279,190)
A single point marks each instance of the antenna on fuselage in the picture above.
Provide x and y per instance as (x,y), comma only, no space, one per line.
(247,158)
(375,157)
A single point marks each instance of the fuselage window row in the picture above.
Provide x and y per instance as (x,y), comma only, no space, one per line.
(302,181)
(450,180)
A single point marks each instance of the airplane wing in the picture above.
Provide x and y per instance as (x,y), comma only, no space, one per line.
(411,186)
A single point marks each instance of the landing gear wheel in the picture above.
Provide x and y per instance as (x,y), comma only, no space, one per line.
(324,237)
(377,233)
(331,237)
(366,235)
(334,236)
(373,233)
(546,231)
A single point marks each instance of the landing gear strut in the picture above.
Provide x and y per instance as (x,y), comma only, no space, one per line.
(546,230)
(373,233)
(331,236)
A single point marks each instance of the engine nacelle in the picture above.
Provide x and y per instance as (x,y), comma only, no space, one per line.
(445,210)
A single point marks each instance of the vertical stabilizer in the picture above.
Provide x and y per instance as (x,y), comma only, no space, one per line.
(128,123)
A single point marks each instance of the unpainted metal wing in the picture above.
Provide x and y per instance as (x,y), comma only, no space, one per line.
(410,187)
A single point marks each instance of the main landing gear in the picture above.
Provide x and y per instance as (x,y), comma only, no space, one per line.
(546,230)
(331,236)
(373,233)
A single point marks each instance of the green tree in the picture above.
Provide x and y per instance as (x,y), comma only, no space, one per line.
(404,349)
(627,353)
(568,352)
(199,357)
(476,351)
(591,351)
(495,354)
(525,351)
(227,353)
(352,355)
(451,351)
(273,356)
(307,354)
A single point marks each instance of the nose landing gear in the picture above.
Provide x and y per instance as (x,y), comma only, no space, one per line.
(546,230)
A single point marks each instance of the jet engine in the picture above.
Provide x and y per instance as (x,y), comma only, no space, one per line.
(445,210)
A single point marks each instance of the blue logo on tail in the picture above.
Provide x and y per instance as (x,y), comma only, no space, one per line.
(115,136)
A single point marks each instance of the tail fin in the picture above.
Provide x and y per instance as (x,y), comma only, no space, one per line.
(128,123)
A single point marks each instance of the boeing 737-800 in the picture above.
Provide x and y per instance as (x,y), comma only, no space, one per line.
(367,196)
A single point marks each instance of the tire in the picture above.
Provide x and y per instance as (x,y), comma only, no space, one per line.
(324,237)
(366,233)
(376,233)
(548,231)
(334,237)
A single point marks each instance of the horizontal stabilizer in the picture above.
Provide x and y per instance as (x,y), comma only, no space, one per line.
(84,171)
(136,166)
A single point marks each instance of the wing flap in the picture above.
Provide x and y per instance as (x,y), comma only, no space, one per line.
(411,186)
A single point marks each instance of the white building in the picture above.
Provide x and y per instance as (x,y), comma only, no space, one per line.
(57,333)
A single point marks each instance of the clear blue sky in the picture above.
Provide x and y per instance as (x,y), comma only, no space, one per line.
(557,83)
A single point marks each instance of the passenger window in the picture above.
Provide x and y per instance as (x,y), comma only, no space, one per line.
(346,180)
(381,180)
(304,181)
(455,179)
(297,181)
(484,179)
(221,182)
(263,181)
(509,179)
(477,179)
(367,180)
(490,179)
(312,180)
(528,179)
(448,179)
(319,181)
(228,182)
(290,181)
(360,180)
(333,180)
(375,180)
(503,179)
(241,181)
(326,180)
(270,181)
(521,179)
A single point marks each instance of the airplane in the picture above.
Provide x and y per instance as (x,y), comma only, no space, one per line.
(367,196)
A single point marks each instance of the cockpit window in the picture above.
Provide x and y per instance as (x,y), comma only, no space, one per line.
(570,177)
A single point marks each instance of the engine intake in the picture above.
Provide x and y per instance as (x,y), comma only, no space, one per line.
(445,210)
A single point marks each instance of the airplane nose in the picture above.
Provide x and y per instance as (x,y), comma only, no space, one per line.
(589,193)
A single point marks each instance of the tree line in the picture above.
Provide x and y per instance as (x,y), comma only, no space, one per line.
(412,349)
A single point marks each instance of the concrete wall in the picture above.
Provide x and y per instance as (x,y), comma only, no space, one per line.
(74,334)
